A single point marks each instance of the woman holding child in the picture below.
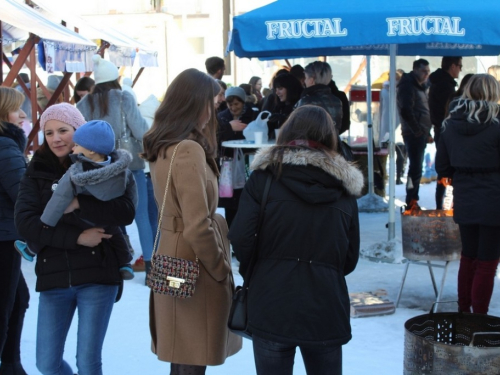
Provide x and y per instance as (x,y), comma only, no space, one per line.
(75,268)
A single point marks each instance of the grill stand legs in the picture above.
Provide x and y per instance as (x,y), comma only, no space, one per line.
(437,293)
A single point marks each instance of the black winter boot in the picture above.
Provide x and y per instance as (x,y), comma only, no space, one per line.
(12,369)
(147,263)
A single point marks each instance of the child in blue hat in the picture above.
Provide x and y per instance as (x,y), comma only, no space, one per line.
(98,170)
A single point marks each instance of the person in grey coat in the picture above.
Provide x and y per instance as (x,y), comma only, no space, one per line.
(109,103)
(98,170)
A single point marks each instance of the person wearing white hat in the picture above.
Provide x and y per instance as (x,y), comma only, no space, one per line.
(109,103)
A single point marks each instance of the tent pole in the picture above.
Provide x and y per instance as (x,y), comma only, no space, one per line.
(137,76)
(370,202)
(392,142)
(21,59)
(371,189)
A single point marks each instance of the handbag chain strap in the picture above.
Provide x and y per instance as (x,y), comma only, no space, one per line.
(165,198)
(124,121)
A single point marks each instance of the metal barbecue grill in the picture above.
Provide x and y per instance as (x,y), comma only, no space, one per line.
(429,235)
(452,344)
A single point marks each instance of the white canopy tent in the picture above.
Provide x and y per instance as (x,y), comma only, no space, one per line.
(69,51)
(122,49)
(65,51)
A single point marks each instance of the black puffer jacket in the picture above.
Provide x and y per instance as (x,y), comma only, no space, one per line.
(346,110)
(413,107)
(62,262)
(321,95)
(309,241)
(442,87)
(12,168)
(469,153)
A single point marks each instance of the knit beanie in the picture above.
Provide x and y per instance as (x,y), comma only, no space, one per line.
(236,91)
(104,70)
(97,136)
(53,81)
(63,112)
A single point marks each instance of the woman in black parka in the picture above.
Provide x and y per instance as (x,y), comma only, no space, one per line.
(469,153)
(309,242)
(14,294)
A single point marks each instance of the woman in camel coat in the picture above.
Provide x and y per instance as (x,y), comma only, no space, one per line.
(191,333)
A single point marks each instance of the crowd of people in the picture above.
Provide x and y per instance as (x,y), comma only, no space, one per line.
(106,161)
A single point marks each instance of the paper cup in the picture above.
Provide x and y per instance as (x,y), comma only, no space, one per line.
(276,134)
(258,137)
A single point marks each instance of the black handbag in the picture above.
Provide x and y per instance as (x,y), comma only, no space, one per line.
(345,150)
(238,321)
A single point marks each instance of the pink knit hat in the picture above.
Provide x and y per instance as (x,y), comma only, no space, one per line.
(63,112)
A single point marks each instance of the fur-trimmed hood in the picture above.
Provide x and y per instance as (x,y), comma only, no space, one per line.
(81,176)
(350,177)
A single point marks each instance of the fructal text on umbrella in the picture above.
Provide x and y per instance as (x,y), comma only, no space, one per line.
(427,25)
(308,28)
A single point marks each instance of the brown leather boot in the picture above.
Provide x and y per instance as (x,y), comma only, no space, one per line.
(139,265)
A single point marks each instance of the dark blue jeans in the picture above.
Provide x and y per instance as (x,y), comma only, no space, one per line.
(142,216)
(415,149)
(14,298)
(272,358)
(56,308)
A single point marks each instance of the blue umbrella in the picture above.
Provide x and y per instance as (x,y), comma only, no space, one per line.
(297,28)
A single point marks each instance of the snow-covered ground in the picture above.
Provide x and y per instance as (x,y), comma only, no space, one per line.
(377,345)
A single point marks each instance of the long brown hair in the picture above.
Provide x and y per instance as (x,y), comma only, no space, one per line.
(100,95)
(186,101)
(306,123)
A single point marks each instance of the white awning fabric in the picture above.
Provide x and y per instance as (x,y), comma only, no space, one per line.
(26,18)
(65,50)
(123,49)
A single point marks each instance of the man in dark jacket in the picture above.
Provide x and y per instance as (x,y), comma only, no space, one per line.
(416,124)
(317,92)
(346,110)
(442,87)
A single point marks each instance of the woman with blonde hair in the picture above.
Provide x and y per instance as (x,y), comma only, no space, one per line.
(14,294)
(494,70)
(308,243)
(469,154)
(181,147)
